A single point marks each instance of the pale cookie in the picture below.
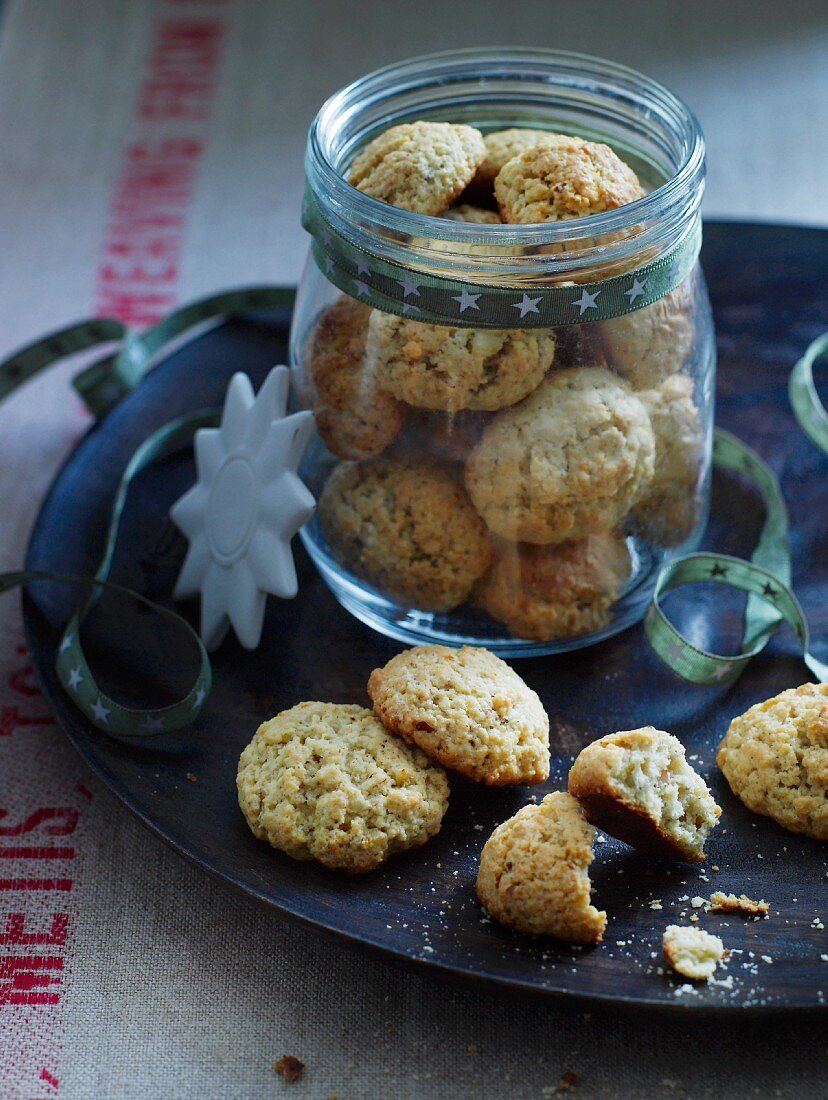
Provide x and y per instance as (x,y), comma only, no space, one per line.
(567,462)
(354,417)
(409,530)
(743,905)
(467,709)
(550,592)
(559,180)
(692,952)
(326,781)
(670,507)
(503,145)
(419,166)
(637,786)
(449,369)
(775,758)
(476,215)
(650,344)
(534,873)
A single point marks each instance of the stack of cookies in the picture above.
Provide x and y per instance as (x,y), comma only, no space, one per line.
(506,468)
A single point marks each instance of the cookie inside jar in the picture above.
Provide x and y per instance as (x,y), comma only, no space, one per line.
(510,456)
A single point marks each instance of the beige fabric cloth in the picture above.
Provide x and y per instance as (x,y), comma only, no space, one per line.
(158,982)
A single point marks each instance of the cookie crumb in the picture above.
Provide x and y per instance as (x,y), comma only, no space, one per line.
(697,902)
(692,951)
(191,778)
(289,1067)
(729,903)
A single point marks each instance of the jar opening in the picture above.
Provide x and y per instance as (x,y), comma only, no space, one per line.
(494,89)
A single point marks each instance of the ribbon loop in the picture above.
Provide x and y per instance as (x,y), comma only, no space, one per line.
(809,410)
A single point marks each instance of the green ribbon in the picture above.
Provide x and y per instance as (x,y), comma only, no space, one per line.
(766,577)
(809,410)
(408,291)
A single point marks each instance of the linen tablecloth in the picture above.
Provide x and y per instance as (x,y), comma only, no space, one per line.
(151,152)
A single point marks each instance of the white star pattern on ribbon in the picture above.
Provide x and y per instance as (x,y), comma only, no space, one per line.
(101,712)
(720,672)
(362,267)
(327,238)
(636,290)
(67,643)
(466,300)
(409,287)
(526,305)
(674,651)
(75,678)
(362,289)
(407,308)
(152,724)
(246,506)
(586,301)
(329,265)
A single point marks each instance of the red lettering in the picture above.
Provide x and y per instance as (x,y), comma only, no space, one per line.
(17,936)
(66,813)
(12,720)
(30,884)
(23,681)
(37,853)
(20,978)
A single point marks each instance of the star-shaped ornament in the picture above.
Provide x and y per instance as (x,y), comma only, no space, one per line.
(246,506)
(466,300)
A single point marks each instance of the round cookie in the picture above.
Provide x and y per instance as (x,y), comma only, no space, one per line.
(565,463)
(650,344)
(670,507)
(534,875)
(354,417)
(419,166)
(563,179)
(637,785)
(775,758)
(503,145)
(476,215)
(326,781)
(448,369)
(467,709)
(409,530)
(559,591)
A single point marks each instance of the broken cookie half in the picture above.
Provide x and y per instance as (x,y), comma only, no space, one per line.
(637,785)
(533,873)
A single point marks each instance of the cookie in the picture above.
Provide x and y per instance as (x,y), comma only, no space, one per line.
(775,758)
(637,786)
(563,179)
(534,872)
(444,437)
(670,508)
(569,461)
(743,905)
(354,417)
(419,166)
(467,709)
(449,369)
(548,592)
(477,215)
(411,531)
(326,781)
(692,952)
(650,344)
(503,145)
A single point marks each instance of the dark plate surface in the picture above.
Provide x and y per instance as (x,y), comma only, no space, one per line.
(768,289)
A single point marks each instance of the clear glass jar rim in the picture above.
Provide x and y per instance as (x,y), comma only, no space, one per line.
(687,178)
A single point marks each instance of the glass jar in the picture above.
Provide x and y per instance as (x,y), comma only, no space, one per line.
(514,421)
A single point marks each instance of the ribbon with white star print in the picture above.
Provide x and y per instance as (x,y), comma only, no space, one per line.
(423,296)
(766,577)
(809,410)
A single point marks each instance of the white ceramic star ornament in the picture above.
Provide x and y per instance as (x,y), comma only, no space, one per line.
(246,506)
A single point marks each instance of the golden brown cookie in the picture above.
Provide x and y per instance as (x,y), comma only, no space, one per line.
(354,417)
(419,166)
(638,786)
(669,508)
(692,952)
(503,145)
(743,905)
(650,344)
(476,215)
(449,369)
(409,530)
(775,758)
(563,179)
(558,591)
(467,709)
(569,461)
(326,781)
(534,872)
